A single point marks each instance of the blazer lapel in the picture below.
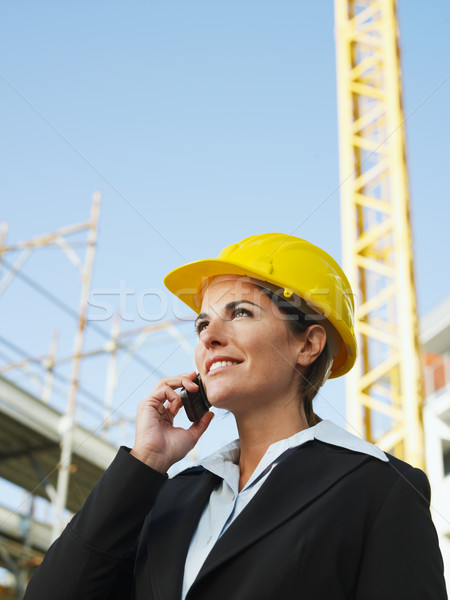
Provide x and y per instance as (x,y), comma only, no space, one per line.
(173,521)
(309,471)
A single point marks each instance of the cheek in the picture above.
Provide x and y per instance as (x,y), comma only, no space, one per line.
(280,350)
(198,355)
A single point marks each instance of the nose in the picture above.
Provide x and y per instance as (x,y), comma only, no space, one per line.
(215,333)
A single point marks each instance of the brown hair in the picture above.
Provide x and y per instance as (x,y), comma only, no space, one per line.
(298,322)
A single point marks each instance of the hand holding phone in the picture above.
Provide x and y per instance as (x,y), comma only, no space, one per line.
(158,443)
(196,404)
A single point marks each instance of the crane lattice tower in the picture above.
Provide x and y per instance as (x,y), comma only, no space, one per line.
(385,391)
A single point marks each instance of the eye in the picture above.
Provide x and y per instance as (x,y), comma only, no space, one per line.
(201,325)
(241,312)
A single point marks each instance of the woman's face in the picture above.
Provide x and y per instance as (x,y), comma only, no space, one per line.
(245,354)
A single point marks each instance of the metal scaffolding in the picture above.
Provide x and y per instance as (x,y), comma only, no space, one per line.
(45,450)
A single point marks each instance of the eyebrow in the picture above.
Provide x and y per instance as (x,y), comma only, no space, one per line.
(228,308)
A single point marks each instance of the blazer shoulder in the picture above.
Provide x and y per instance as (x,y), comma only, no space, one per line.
(374,472)
(412,476)
(389,463)
(401,465)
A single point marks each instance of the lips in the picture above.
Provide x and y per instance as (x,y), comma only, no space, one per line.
(215,362)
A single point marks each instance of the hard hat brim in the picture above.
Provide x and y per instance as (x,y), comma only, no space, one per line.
(187,281)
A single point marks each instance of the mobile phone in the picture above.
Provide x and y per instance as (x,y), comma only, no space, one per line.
(196,404)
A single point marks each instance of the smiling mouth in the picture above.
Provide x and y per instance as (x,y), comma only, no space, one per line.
(221,363)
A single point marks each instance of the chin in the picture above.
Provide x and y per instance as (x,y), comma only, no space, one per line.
(221,396)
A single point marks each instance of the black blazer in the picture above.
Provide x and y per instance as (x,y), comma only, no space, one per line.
(328,524)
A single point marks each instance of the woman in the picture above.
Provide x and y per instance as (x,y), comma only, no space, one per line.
(297,508)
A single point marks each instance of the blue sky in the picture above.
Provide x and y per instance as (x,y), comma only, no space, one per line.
(201,123)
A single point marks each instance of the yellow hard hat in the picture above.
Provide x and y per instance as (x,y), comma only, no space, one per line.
(289,263)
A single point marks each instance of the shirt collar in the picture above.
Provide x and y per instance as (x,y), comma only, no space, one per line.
(224,462)
(330,433)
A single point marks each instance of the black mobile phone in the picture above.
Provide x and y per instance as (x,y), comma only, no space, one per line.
(196,404)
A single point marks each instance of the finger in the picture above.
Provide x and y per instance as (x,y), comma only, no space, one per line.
(175,406)
(161,409)
(189,384)
(170,394)
(185,380)
(177,381)
(161,394)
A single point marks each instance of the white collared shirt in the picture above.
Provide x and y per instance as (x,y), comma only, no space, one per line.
(226,502)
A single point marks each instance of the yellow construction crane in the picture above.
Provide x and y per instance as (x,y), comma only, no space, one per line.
(385,392)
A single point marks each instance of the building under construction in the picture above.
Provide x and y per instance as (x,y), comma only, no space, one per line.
(57,437)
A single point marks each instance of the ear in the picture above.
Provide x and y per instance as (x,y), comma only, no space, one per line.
(313,341)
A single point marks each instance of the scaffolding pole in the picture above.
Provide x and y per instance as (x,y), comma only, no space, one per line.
(67,422)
